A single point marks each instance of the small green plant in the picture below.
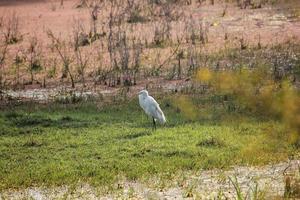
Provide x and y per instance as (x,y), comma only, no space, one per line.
(190,190)
(252,193)
(131,192)
(237,188)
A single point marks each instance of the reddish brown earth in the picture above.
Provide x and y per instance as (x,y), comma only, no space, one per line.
(272,23)
(268,25)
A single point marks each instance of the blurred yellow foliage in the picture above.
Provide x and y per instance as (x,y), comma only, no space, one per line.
(186,106)
(256,89)
(204,75)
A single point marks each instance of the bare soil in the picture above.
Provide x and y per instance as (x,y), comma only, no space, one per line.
(269,25)
(209,184)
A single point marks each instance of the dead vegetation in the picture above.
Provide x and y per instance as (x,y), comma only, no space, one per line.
(64,49)
(33,58)
(133,40)
(11,29)
(3,52)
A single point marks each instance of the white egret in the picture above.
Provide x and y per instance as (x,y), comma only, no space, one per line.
(151,107)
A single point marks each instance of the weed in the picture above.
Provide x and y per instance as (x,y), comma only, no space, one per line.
(211,142)
(237,188)
(292,186)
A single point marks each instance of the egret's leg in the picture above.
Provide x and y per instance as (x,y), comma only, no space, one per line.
(154,124)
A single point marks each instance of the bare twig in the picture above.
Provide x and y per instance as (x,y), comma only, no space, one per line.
(65,54)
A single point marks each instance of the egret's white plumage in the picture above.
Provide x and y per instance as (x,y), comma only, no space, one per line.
(151,107)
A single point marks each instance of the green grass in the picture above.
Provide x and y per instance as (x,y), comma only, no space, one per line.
(65,144)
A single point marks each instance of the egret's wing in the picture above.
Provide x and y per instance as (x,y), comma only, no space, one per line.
(151,101)
(154,110)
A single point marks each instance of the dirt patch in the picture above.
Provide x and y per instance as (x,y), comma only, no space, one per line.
(208,184)
(57,93)
(19,2)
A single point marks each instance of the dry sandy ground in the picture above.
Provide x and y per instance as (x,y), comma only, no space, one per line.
(204,185)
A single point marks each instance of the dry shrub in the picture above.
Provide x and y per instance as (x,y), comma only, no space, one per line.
(65,51)
(190,30)
(134,12)
(11,29)
(33,58)
(162,34)
(80,37)
(136,58)
(52,6)
(1,21)
(3,55)
(292,186)
(82,4)
(204,29)
(82,60)
(18,61)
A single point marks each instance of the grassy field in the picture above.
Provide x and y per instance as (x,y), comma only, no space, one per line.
(58,144)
